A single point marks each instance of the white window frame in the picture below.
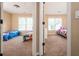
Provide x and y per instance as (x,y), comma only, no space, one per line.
(53,18)
(25,24)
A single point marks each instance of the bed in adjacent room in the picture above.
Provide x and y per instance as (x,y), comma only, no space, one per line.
(62,31)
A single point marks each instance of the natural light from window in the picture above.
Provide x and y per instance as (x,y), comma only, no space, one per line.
(54,23)
(25,24)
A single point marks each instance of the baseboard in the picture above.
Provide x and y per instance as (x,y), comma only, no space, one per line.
(1,54)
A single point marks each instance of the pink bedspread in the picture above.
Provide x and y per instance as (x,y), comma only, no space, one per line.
(62,31)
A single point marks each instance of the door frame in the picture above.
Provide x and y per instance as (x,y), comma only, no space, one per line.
(68,29)
(41,29)
(1,30)
(34,41)
(34,53)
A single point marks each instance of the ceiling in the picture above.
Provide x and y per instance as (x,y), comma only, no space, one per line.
(55,8)
(27,7)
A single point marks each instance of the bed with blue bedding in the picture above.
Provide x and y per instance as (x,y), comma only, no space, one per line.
(10,35)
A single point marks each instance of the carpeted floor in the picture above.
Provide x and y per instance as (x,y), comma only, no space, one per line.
(16,47)
(55,45)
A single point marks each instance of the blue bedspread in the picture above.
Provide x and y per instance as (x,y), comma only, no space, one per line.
(10,35)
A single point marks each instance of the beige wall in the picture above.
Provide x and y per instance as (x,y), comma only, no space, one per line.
(7,21)
(64,21)
(74,30)
(11,21)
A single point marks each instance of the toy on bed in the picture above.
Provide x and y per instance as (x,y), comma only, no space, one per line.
(10,35)
(62,31)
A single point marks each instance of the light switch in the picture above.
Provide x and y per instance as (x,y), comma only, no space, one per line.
(77,14)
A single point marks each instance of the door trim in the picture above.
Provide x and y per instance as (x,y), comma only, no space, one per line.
(69,29)
(34,41)
(1,30)
(41,29)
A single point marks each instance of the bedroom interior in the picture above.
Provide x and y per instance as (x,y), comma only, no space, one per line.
(55,17)
(17,28)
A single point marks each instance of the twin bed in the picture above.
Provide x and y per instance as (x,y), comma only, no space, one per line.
(62,31)
(10,35)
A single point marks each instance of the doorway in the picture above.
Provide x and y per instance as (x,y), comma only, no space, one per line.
(56,32)
(18,29)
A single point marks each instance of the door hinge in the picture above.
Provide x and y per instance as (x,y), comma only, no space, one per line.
(1,54)
(43,23)
(1,21)
(43,43)
(43,2)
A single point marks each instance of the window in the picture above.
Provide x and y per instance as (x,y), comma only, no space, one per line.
(25,24)
(29,24)
(22,23)
(54,23)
